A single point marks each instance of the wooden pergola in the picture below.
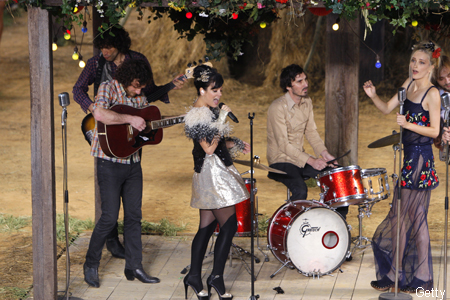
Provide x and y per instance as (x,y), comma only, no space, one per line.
(341,127)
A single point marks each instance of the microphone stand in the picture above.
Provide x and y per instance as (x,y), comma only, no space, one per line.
(252,213)
(396,295)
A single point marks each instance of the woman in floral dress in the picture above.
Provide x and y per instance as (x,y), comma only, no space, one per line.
(420,124)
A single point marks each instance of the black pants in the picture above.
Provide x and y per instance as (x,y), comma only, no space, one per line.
(117,180)
(295,181)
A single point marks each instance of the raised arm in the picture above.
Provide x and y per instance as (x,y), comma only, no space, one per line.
(384,107)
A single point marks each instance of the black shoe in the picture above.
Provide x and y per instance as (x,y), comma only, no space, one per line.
(196,286)
(216,281)
(382,285)
(91,276)
(415,284)
(115,247)
(140,275)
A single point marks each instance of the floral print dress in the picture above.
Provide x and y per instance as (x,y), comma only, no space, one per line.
(418,179)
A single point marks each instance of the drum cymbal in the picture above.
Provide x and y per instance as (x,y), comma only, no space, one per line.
(386,141)
(258,165)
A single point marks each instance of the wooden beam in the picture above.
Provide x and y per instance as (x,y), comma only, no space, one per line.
(341,89)
(42,154)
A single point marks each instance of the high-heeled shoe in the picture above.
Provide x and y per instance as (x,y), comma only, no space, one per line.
(383,284)
(216,281)
(202,294)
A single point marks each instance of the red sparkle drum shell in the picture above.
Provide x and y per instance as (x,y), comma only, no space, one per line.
(243,212)
(281,219)
(342,186)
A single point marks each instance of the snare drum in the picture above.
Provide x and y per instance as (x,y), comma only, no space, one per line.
(342,186)
(309,236)
(375,181)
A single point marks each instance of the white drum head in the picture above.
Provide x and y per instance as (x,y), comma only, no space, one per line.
(318,241)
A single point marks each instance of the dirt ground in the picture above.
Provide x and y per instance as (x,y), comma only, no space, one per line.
(168,167)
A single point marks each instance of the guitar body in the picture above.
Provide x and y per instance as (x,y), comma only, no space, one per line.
(123,140)
(87,127)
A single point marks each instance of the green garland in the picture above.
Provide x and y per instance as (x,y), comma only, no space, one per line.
(227,24)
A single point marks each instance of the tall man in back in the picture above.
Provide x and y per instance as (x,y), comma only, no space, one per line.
(290,119)
(114,45)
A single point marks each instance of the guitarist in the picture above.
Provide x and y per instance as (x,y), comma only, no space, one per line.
(119,178)
(114,45)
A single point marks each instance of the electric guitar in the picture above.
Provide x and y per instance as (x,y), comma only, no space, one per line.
(123,140)
(88,123)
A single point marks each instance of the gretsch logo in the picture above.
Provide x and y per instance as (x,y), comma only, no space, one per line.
(306,228)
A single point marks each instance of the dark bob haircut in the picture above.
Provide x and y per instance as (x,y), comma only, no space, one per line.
(211,77)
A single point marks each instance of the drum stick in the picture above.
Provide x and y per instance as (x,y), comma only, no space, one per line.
(345,154)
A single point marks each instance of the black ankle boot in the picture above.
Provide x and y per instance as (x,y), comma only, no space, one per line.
(216,281)
(91,276)
(115,247)
(140,275)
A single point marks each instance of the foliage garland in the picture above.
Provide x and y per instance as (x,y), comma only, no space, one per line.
(227,24)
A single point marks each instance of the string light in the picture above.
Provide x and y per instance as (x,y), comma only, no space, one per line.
(67,35)
(84,28)
(188,15)
(414,23)
(378,63)
(75,55)
(234,16)
(81,63)
(54,45)
(263,25)
(335,26)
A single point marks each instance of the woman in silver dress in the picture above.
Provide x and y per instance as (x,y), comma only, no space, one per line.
(217,186)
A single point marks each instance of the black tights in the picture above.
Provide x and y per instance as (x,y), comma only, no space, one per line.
(226,218)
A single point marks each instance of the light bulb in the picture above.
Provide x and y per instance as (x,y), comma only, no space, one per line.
(54,47)
(335,27)
(67,36)
(263,25)
(378,64)
(81,64)
(75,56)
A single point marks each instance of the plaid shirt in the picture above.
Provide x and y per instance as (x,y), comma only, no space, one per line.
(109,94)
(87,77)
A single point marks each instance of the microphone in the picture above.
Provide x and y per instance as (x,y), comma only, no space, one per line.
(445,103)
(401,98)
(230,114)
(64,99)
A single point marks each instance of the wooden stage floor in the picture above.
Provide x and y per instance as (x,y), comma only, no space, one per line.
(166,257)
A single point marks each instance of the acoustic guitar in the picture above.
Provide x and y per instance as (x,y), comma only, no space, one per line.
(88,123)
(123,140)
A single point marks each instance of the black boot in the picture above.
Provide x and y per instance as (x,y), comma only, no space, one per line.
(91,276)
(221,251)
(115,247)
(140,275)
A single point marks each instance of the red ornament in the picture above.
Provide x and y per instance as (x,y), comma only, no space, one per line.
(188,15)
(234,16)
(319,11)
(436,54)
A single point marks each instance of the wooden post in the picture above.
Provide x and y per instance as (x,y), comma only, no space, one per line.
(42,154)
(341,89)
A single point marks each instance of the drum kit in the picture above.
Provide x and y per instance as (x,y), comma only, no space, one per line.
(309,235)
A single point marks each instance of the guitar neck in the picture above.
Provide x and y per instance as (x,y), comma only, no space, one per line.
(163,90)
(166,122)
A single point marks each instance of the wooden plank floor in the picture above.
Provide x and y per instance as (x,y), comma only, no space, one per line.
(166,257)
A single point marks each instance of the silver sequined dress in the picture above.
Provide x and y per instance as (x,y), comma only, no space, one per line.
(216,182)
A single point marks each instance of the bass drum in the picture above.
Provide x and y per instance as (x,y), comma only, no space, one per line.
(309,236)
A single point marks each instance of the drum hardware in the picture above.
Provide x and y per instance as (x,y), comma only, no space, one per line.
(258,165)
(362,242)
